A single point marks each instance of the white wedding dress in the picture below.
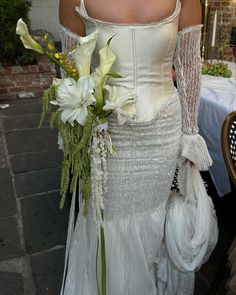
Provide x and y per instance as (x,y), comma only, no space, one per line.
(140,175)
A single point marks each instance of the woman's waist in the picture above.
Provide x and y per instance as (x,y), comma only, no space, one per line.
(157,82)
(149,100)
(150,114)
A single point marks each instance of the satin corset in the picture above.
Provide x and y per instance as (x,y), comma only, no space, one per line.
(144,57)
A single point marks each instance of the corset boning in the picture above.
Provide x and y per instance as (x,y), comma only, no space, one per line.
(144,57)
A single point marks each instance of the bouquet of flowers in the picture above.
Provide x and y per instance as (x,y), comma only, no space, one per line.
(85,101)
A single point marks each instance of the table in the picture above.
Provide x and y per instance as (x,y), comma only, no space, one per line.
(218,99)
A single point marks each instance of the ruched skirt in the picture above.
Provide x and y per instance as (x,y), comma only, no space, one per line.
(138,187)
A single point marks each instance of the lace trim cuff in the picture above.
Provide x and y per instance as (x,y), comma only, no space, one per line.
(68,32)
(190,29)
(194,148)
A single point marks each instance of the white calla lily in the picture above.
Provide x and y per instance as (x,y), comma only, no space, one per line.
(86,39)
(82,54)
(73,98)
(107,59)
(120,103)
(100,77)
(27,40)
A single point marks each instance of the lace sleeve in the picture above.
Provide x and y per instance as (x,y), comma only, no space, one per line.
(187,62)
(191,225)
(69,40)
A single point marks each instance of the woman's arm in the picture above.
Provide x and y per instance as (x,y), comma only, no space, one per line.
(191,13)
(187,62)
(69,18)
(71,26)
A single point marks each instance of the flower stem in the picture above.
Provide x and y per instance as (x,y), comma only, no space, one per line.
(97,267)
(103,258)
(100,98)
(57,62)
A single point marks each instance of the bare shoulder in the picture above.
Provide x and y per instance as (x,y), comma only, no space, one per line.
(68,16)
(191,13)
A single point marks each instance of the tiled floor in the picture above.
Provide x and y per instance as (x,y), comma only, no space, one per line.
(212,277)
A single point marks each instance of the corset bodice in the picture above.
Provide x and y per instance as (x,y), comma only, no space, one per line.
(144,57)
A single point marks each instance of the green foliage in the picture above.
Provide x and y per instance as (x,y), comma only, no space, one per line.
(11,47)
(48,95)
(76,141)
(219,69)
(224,42)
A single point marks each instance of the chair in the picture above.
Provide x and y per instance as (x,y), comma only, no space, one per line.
(228,144)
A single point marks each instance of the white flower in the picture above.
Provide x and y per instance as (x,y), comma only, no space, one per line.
(74,97)
(100,77)
(57,81)
(82,54)
(107,59)
(27,40)
(119,102)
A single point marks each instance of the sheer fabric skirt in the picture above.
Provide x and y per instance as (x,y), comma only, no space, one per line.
(138,187)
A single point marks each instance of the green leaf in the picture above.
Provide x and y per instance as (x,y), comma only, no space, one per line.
(115,75)
(109,41)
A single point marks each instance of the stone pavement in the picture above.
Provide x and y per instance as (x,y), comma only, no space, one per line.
(32,227)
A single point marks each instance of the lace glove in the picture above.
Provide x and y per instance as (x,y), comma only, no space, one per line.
(69,41)
(191,226)
(187,63)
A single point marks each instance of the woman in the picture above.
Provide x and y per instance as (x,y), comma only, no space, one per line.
(154,242)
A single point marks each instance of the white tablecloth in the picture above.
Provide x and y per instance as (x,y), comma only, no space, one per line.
(218,99)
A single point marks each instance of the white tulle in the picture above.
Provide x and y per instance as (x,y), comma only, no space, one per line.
(191,227)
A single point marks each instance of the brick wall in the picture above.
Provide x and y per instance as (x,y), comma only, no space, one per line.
(20,80)
(228,10)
